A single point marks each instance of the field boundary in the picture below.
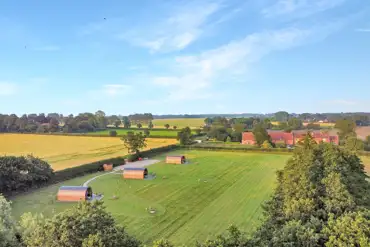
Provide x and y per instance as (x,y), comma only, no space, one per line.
(79,171)
(87,135)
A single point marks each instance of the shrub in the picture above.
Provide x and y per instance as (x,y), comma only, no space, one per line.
(21,173)
(113,133)
(133,157)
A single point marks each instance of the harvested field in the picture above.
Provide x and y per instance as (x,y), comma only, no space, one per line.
(68,151)
(153,132)
(215,189)
(179,122)
(363,132)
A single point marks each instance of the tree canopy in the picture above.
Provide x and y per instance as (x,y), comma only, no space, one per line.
(134,142)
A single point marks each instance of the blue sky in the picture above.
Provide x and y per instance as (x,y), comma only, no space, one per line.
(174,56)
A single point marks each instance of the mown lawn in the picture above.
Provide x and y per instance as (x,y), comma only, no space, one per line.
(193,201)
(68,151)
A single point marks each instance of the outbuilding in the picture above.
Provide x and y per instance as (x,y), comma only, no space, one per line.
(108,167)
(74,193)
(135,173)
(175,159)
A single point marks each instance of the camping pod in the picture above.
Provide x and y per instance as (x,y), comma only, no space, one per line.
(74,193)
(135,173)
(178,159)
(108,167)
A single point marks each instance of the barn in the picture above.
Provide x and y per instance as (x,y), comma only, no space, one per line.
(74,193)
(108,167)
(135,173)
(175,159)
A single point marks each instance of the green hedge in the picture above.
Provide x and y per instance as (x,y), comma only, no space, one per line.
(81,170)
(233,149)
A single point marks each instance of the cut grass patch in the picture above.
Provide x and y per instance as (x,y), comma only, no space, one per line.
(194,201)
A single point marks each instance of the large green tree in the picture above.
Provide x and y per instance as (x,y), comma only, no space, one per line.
(319,183)
(260,134)
(346,127)
(134,142)
(87,224)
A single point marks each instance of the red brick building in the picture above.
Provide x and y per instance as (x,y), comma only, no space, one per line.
(291,138)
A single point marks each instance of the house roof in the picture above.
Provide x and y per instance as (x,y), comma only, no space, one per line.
(248,136)
(76,188)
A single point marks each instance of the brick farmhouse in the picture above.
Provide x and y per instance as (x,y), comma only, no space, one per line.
(291,138)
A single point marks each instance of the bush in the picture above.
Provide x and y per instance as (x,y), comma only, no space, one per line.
(113,133)
(133,157)
(21,173)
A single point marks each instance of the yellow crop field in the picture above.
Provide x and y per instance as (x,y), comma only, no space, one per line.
(68,151)
(179,122)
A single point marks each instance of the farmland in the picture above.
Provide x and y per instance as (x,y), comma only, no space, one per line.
(214,190)
(68,151)
(179,122)
(153,132)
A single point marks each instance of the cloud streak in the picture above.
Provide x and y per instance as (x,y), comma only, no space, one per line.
(184,26)
(300,8)
(363,30)
(195,73)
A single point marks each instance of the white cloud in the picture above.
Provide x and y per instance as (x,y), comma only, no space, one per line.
(48,48)
(300,7)
(116,89)
(110,90)
(230,62)
(7,88)
(363,30)
(185,24)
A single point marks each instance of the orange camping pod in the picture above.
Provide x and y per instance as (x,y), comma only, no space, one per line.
(135,173)
(178,159)
(74,193)
(108,167)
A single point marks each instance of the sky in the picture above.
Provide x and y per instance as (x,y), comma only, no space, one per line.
(184,56)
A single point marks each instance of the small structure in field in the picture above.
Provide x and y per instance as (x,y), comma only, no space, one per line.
(108,167)
(175,159)
(135,173)
(74,193)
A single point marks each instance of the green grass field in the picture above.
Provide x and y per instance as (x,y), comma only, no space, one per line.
(193,201)
(179,122)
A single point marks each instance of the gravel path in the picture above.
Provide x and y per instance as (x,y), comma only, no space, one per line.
(136,164)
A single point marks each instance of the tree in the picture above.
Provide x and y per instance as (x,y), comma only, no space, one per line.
(282,116)
(87,224)
(352,143)
(320,180)
(260,134)
(150,125)
(7,225)
(139,125)
(295,123)
(174,127)
(112,133)
(184,136)
(126,123)
(117,123)
(146,132)
(167,126)
(266,144)
(42,128)
(53,125)
(350,229)
(346,127)
(134,142)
